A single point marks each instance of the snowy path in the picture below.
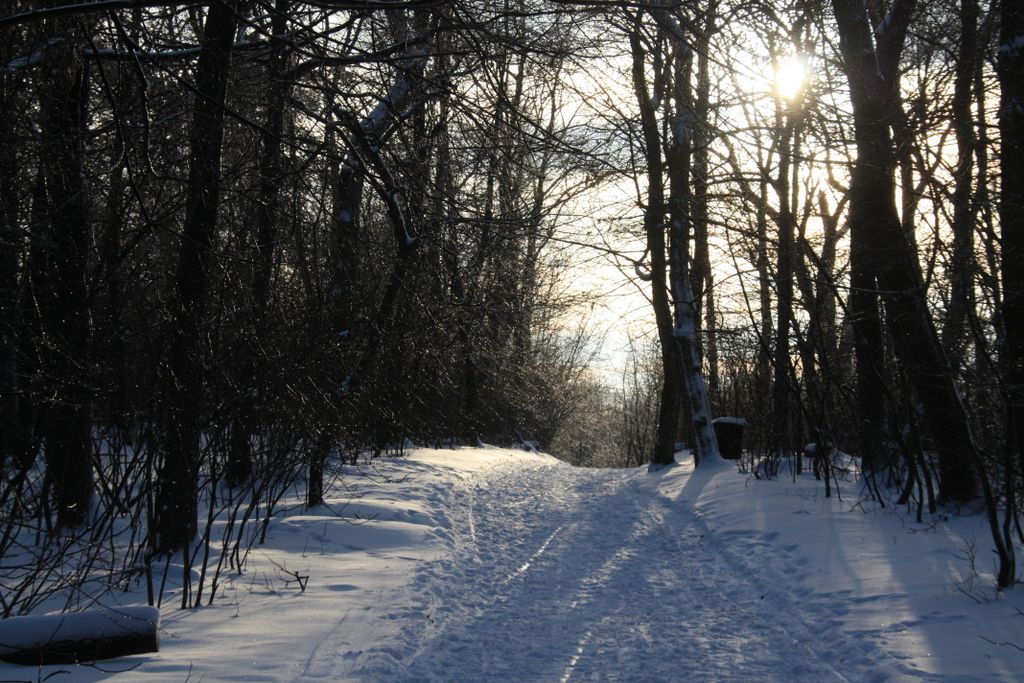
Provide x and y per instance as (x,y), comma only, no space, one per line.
(487,564)
(563,574)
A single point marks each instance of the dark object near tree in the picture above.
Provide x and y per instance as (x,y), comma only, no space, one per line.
(817,452)
(79,636)
(729,432)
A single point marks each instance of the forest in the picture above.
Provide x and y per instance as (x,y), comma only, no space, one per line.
(246,242)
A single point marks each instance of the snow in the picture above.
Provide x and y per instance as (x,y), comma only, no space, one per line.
(34,57)
(374,123)
(31,631)
(884,26)
(682,127)
(1012,48)
(484,564)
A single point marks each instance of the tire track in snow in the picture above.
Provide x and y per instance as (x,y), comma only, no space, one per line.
(642,624)
(561,574)
(513,525)
(793,631)
(523,568)
(818,624)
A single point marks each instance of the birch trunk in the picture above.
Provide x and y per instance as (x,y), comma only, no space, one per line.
(685,330)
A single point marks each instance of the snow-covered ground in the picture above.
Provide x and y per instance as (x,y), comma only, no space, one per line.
(490,564)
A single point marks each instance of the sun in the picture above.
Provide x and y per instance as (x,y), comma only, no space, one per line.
(790,76)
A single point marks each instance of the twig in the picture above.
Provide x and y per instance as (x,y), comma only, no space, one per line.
(1005,642)
(94,665)
(301,579)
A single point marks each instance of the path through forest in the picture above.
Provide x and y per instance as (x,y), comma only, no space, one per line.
(566,574)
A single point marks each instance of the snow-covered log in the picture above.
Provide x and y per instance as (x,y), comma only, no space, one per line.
(79,636)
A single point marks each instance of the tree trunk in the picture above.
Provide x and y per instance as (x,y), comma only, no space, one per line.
(318,453)
(176,513)
(68,427)
(239,465)
(764,292)
(866,320)
(654,228)
(786,224)
(701,275)
(35,303)
(894,261)
(11,246)
(686,308)
(961,270)
(366,139)
(1010,68)
(818,346)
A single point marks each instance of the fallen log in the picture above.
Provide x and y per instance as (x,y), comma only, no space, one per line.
(79,636)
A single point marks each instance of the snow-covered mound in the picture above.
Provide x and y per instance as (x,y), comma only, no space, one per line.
(490,564)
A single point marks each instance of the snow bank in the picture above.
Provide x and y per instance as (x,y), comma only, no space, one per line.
(923,594)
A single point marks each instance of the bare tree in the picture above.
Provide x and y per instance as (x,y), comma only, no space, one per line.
(61,294)
(175,520)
